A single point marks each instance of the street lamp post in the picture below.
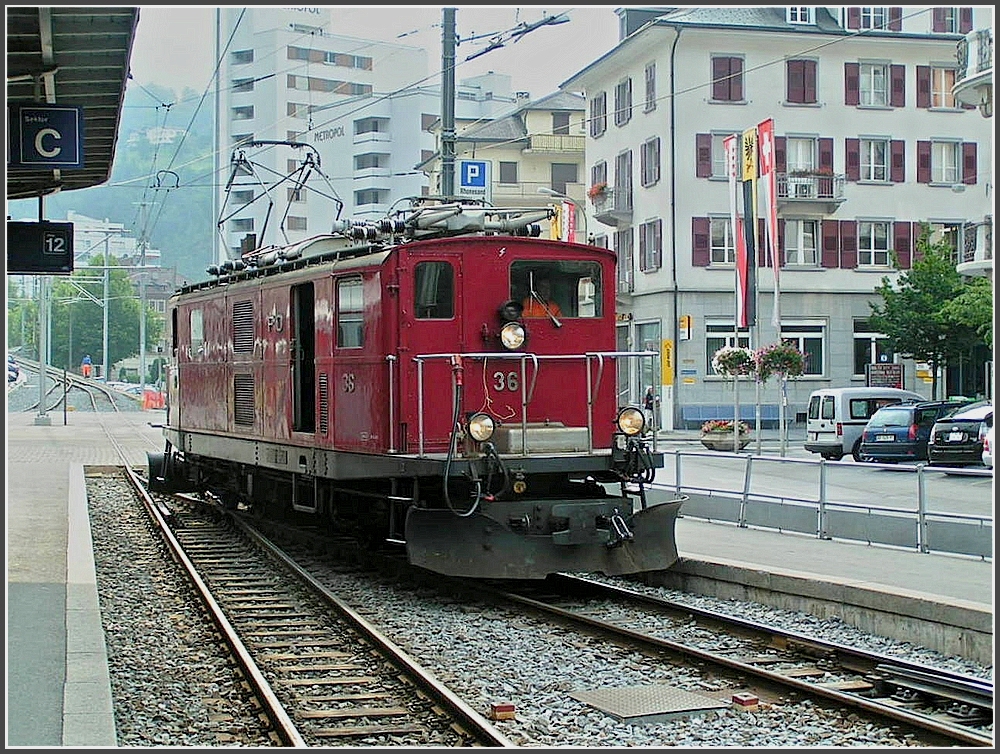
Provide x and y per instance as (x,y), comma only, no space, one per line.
(583,214)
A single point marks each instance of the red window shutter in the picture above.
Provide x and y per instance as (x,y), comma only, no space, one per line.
(720,80)
(901,243)
(852,83)
(937,22)
(923,86)
(895,19)
(831,244)
(854,18)
(964,20)
(736,82)
(848,244)
(809,79)
(923,162)
(897,95)
(796,86)
(897,161)
(852,159)
(781,243)
(970,164)
(703,145)
(700,250)
(826,154)
(780,161)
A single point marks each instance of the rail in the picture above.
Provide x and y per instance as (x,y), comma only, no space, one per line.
(829,500)
(590,360)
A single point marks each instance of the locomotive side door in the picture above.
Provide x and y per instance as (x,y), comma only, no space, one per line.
(303,358)
(430,323)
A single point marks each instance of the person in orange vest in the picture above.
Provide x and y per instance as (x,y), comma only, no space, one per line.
(85,366)
(535,308)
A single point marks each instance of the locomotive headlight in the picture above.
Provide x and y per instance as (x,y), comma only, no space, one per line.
(512,335)
(481,427)
(631,421)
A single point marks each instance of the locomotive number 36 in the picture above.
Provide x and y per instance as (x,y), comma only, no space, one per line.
(510,381)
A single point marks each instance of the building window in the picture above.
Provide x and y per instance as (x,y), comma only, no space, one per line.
(650,88)
(369,160)
(810,339)
(949,233)
(946,162)
(873,84)
(623,247)
(239,139)
(367,196)
(240,57)
(800,159)
(560,124)
(723,249)
(874,159)
(651,245)
(649,161)
(623,102)
(799,14)
(370,125)
(563,173)
(947,21)
(870,347)
(873,244)
(599,114)
(599,174)
(874,18)
(719,167)
(508,172)
(623,181)
(722,335)
(242,197)
(243,85)
(350,313)
(243,113)
(297,110)
(297,195)
(801,82)
(942,80)
(241,225)
(296,223)
(800,243)
(727,79)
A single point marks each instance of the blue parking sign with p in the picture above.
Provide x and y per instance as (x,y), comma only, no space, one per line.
(473,174)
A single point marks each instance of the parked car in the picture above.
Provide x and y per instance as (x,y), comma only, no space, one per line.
(900,432)
(837,416)
(988,445)
(13,371)
(956,439)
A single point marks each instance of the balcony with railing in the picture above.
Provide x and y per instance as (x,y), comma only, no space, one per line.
(974,78)
(612,207)
(565,144)
(808,186)
(974,256)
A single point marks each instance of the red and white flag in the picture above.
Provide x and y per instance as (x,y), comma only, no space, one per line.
(731,145)
(769,181)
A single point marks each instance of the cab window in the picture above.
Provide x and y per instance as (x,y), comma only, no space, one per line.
(575,287)
(350,313)
(434,290)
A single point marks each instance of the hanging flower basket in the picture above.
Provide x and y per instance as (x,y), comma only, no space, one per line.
(596,191)
(782,359)
(731,361)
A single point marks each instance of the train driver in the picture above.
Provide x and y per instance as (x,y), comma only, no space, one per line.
(540,304)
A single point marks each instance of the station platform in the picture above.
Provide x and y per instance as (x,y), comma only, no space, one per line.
(58,688)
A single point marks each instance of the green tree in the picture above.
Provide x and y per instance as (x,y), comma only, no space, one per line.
(913,314)
(78,316)
(974,307)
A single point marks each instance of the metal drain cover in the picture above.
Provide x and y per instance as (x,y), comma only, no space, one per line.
(647,703)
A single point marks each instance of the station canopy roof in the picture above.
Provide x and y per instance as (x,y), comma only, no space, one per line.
(65,55)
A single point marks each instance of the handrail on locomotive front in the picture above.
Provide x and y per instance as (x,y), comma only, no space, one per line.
(590,357)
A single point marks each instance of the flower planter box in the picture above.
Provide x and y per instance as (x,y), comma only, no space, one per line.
(723,441)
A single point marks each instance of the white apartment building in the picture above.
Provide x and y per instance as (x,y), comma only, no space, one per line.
(870,142)
(361,108)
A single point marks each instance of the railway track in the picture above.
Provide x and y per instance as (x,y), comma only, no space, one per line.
(64,389)
(950,708)
(323,674)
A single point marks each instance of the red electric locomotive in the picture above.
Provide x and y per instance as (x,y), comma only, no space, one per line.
(443,380)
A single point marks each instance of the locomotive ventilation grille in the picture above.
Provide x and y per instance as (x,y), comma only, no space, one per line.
(243,403)
(324,404)
(243,330)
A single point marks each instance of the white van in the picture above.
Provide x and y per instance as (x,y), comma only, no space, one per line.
(837,416)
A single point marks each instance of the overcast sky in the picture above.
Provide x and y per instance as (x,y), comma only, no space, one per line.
(174,44)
